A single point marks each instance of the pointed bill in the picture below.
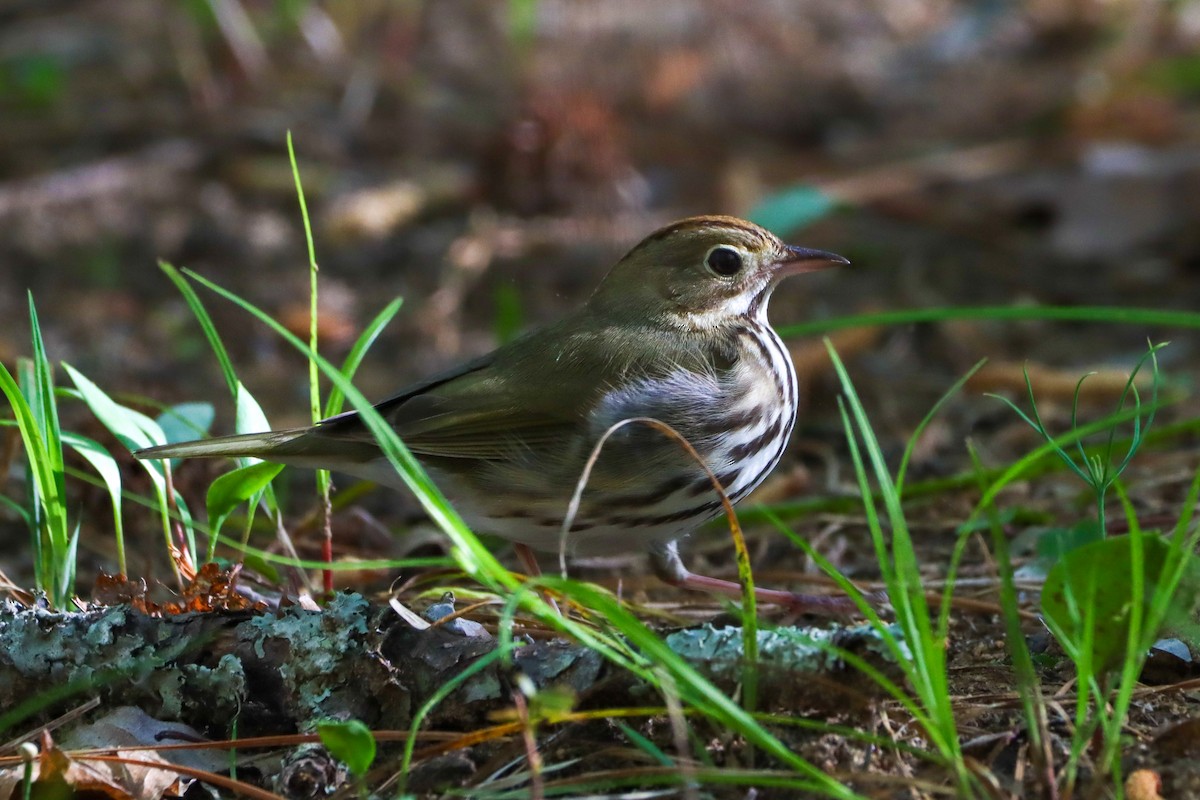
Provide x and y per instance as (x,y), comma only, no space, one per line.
(805,259)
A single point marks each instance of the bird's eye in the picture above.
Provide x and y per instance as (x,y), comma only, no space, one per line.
(724,261)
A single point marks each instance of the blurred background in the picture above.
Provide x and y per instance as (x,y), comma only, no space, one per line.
(489,160)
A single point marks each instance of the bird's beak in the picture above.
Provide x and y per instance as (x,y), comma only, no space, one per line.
(804,259)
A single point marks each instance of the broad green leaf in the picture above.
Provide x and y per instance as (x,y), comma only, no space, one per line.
(256,562)
(1057,542)
(350,741)
(1087,595)
(133,428)
(1049,545)
(234,488)
(251,419)
(250,416)
(186,421)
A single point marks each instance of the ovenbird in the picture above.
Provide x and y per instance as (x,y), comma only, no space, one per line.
(677,332)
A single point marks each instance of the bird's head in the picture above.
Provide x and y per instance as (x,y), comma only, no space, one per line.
(704,272)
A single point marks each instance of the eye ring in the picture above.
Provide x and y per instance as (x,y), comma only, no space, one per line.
(723,261)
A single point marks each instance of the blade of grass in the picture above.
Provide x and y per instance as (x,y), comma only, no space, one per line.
(901,572)
(109,471)
(1106,314)
(48,513)
(206,324)
(323,478)
(1029,690)
(902,470)
(358,351)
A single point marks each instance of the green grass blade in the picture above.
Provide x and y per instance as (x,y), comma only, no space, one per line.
(20,510)
(323,479)
(1106,314)
(361,345)
(928,669)
(474,558)
(48,516)
(110,472)
(206,324)
(916,435)
(45,409)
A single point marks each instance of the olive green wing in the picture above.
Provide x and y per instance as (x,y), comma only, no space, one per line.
(471,412)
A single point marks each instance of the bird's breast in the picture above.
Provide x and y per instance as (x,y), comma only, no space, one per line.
(634,480)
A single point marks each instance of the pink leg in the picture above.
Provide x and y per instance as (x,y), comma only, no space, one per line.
(529,560)
(670,570)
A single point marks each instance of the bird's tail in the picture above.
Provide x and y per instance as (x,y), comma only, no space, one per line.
(272,445)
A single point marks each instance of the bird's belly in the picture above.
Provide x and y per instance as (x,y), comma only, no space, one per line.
(630,519)
(604,524)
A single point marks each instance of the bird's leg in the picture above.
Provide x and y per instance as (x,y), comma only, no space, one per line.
(668,566)
(529,560)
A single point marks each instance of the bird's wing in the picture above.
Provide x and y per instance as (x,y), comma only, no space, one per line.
(532,403)
(473,411)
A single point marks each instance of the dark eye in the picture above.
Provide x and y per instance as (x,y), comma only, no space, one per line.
(724,261)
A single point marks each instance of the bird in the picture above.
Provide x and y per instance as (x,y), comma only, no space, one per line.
(677,332)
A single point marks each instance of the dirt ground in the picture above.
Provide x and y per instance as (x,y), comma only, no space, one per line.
(488,162)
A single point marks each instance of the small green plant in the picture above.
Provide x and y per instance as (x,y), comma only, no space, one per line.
(34,400)
(1098,469)
(136,430)
(350,742)
(1107,599)
(919,646)
(35,409)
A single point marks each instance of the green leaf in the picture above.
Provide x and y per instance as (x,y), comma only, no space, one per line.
(791,209)
(234,488)
(1086,597)
(133,428)
(250,417)
(361,345)
(45,408)
(256,562)
(22,512)
(1057,542)
(206,324)
(186,421)
(35,412)
(104,464)
(351,742)
(1049,545)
